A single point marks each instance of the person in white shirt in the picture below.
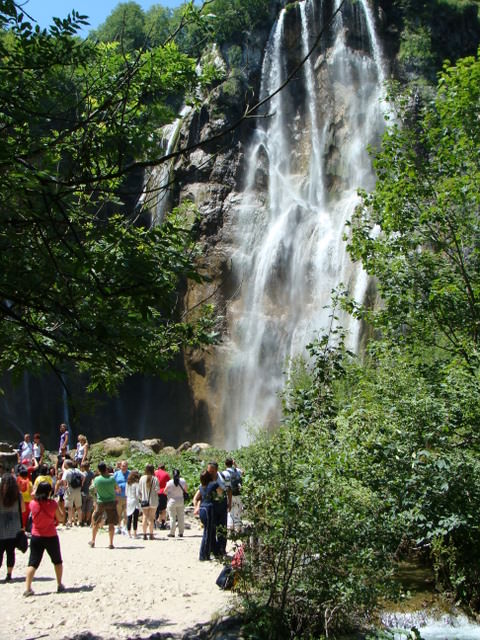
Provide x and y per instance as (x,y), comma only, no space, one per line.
(148,491)
(25,451)
(175,489)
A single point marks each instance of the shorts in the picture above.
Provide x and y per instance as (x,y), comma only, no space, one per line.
(87,504)
(73,498)
(162,501)
(39,544)
(110,511)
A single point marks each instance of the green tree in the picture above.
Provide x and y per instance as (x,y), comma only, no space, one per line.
(81,281)
(126,24)
(233,18)
(317,556)
(418,232)
(158,25)
(411,414)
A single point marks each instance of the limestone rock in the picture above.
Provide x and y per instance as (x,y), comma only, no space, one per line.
(185,446)
(155,444)
(170,451)
(8,456)
(141,447)
(200,446)
(115,446)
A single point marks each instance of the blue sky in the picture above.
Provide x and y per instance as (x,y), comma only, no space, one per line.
(97,10)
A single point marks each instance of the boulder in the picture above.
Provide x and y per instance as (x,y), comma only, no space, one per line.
(185,446)
(170,451)
(141,447)
(115,446)
(200,446)
(155,444)
(8,456)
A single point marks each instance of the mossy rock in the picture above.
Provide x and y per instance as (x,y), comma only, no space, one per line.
(111,447)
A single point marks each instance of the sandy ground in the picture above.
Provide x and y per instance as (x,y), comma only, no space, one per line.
(137,589)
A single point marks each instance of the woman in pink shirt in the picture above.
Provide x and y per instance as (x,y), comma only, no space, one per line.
(44,512)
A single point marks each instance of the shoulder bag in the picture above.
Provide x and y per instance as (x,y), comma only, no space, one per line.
(146,503)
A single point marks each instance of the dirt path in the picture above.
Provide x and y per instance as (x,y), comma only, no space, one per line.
(137,589)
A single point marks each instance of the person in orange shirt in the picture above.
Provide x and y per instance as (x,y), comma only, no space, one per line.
(25,487)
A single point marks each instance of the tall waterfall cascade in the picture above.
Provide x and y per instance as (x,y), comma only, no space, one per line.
(306,161)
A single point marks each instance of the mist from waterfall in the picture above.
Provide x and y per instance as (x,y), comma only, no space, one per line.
(305,163)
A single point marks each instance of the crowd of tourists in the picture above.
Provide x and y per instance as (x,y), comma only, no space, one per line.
(36,497)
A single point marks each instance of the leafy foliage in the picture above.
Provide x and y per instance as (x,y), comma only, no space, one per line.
(317,553)
(126,25)
(426,205)
(411,414)
(81,281)
(379,456)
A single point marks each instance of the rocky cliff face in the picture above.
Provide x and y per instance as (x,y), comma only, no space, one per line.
(213,178)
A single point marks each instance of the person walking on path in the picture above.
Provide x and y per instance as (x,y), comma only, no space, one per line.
(44,512)
(233,480)
(203,507)
(163,477)
(221,506)
(148,492)
(25,487)
(106,489)
(175,490)
(38,453)
(72,481)
(87,500)
(133,502)
(11,509)
(121,477)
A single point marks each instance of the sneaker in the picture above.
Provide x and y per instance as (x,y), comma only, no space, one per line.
(144,536)
(91,543)
(110,546)
(8,577)
(28,593)
(60,588)
(170,535)
(118,530)
(180,535)
(151,537)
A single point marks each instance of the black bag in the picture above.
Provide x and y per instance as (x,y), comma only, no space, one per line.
(186,497)
(146,503)
(235,482)
(225,579)
(21,541)
(75,479)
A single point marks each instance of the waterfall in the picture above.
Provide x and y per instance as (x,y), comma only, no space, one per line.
(156,194)
(306,161)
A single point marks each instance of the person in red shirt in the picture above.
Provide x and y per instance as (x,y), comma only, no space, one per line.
(44,512)
(162,477)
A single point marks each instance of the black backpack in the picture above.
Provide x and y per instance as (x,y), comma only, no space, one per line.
(75,480)
(235,482)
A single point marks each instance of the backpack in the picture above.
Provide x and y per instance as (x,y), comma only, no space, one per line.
(75,480)
(235,482)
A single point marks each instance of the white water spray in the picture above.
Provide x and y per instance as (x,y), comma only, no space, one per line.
(305,164)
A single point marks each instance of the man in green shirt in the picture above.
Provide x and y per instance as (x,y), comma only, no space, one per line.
(106,489)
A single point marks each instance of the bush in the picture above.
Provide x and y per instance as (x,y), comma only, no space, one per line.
(315,558)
